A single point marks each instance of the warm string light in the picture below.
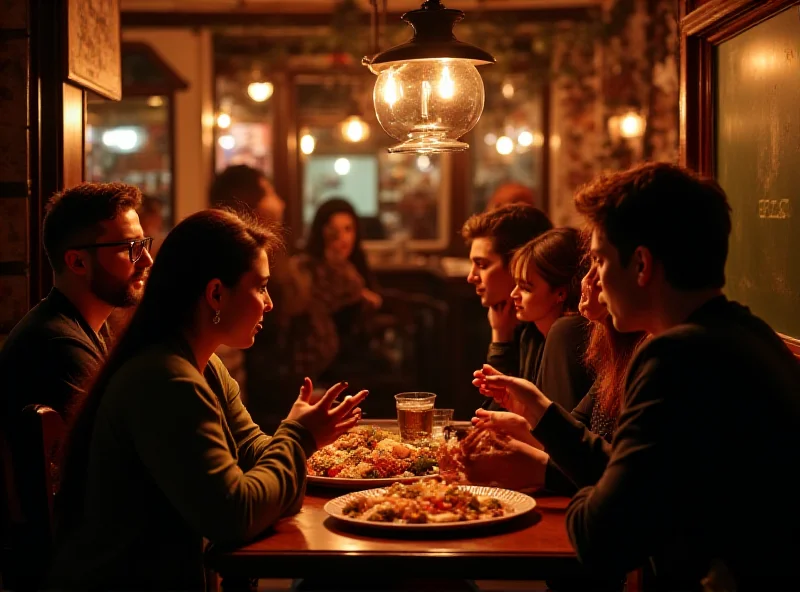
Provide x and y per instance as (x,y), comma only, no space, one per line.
(223,121)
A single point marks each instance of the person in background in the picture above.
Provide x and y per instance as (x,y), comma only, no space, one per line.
(511,193)
(151,216)
(264,371)
(330,331)
(163,454)
(710,399)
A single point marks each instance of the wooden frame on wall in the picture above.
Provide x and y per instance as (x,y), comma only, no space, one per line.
(94,46)
(704,25)
(702,29)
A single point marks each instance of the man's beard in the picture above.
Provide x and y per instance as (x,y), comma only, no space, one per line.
(117,293)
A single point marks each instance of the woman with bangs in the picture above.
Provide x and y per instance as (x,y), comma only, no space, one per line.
(553,338)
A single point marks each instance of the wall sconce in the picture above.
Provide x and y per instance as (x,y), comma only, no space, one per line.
(628,125)
(429,92)
(260,91)
(308,143)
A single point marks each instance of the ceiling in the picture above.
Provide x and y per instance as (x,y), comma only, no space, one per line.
(323,6)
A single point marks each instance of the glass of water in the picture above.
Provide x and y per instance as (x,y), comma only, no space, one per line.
(441,419)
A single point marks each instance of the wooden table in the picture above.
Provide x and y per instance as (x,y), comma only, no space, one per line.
(532,547)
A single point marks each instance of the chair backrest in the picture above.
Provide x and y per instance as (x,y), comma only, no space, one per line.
(31,485)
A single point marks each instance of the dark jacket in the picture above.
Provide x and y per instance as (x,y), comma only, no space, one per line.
(711,410)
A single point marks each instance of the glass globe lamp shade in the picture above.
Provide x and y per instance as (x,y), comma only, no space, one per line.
(429,104)
(429,93)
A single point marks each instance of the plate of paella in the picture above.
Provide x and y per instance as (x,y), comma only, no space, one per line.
(369,456)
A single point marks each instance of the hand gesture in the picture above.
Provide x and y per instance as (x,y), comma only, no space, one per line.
(520,467)
(515,394)
(323,419)
(512,424)
(373,298)
(503,321)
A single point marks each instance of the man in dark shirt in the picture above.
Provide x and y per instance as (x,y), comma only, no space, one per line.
(711,409)
(100,260)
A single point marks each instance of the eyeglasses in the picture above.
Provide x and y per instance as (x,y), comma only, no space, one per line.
(135,247)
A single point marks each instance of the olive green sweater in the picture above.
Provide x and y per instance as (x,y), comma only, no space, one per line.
(176,462)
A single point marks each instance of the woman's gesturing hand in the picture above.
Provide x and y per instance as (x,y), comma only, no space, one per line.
(325,420)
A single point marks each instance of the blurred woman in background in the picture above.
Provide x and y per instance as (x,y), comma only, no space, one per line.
(329,334)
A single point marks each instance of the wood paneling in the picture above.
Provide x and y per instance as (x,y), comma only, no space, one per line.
(74,126)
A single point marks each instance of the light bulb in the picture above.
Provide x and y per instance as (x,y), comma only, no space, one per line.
(447,88)
(428,104)
(423,162)
(227,142)
(525,138)
(341,166)
(307,144)
(508,90)
(354,129)
(223,121)
(391,90)
(260,91)
(155,101)
(505,145)
(490,139)
(631,125)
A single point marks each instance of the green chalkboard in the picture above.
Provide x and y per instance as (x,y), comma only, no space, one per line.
(758,165)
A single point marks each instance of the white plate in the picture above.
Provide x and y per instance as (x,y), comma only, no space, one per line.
(516,505)
(358,484)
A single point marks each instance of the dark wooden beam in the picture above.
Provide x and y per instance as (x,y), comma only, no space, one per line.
(211,19)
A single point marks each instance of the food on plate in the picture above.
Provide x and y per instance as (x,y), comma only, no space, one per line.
(423,502)
(367,452)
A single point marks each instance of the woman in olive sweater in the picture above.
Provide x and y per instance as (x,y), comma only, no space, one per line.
(163,457)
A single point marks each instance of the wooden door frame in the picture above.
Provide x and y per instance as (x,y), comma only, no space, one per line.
(702,28)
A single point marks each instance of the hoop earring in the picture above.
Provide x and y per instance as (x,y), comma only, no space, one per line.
(216,318)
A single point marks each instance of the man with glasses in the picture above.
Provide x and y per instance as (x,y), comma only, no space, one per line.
(100,259)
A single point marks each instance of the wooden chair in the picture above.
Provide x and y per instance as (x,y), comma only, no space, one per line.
(31,472)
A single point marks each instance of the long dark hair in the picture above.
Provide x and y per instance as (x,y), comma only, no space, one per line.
(315,246)
(206,245)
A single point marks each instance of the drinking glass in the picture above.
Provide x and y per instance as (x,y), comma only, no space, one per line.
(441,419)
(415,415)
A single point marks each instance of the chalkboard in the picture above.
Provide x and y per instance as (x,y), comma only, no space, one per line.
(758,165)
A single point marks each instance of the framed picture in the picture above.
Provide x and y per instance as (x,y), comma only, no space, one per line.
(94,46)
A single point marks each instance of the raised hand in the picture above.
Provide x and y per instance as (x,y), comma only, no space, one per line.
(503,321)
(373,298)
(514,394)
(325,420)
(520,466)
(512,424)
